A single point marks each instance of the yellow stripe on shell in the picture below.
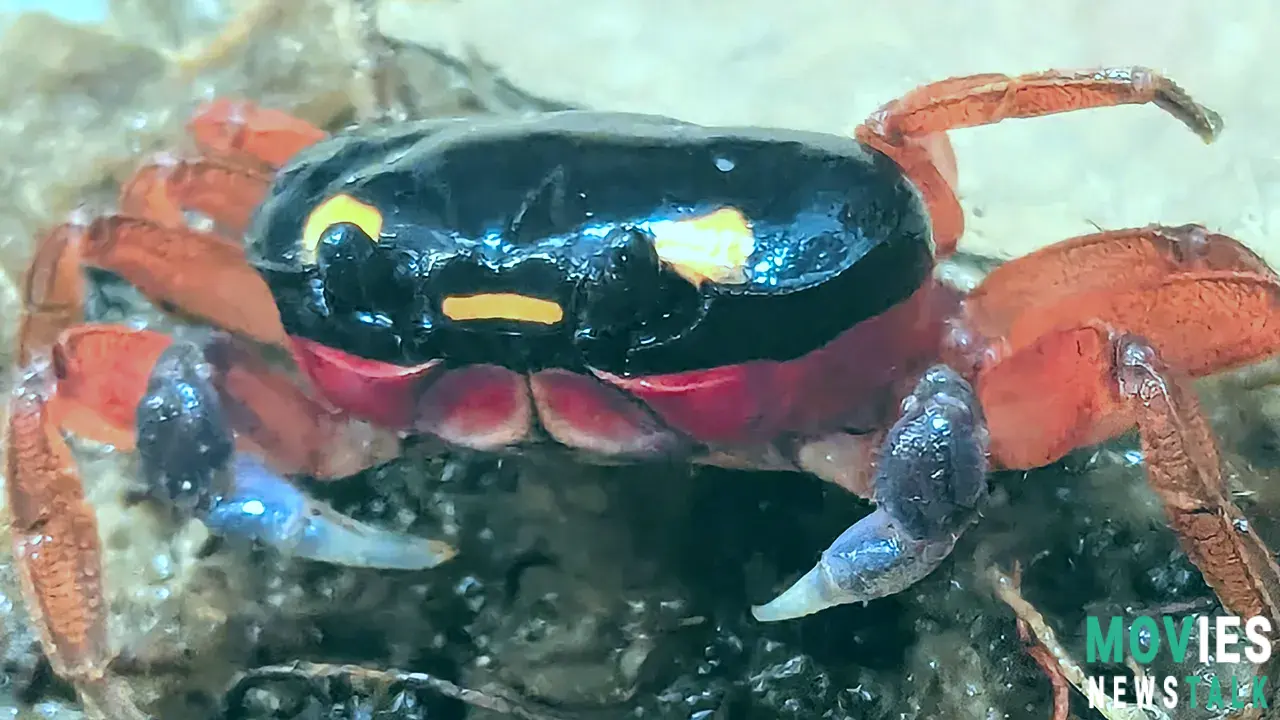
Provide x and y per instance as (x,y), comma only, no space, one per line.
(713,247)
(338,209)
(502,306)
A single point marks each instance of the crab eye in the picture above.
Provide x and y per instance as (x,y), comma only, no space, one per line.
(336,211)
(342,256)
(633,300)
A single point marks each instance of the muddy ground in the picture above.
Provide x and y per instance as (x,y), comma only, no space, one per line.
(624,593)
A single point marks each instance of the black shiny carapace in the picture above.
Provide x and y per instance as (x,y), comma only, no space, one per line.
(633,244)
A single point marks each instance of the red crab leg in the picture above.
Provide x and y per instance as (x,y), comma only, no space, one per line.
(1086,377)
(273,418)
(56,535)
(226,194)
(54,530)
(244,133)
(53,292)
(58,551)
(1185,470)
(245,141)
(912,128)
(71,389)
(1045,395)
(89,379)
(287,425)
(1105,261)
(197,273)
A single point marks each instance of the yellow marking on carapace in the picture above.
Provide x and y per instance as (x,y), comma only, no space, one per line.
(502,306)
(712,247)
(338,209)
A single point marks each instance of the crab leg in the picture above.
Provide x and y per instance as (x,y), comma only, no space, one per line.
(186,452)
(929,483)
(1113,385)
(1104,261)
(274,416)
(912,128)
(270,417)
(1203,322)
(1094,387)
(65,385)
(243,133)
(167,188)
(245,143)
(197,273)
(53,292)
(55,538)
(58,551)
(1185,470)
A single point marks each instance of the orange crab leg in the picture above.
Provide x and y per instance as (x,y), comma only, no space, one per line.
(226,194)
(245,141)
(1104,261)
(1204,321)
(1083,385)
(54,530)
(912,128)
(182,268)
(245,133)
(58,552)
(53,292)
(295,432)
(99,405)
(56,537)
(276,418)
(272,416)
(1049,398)
(1186,471)
(195,272)
(89,379)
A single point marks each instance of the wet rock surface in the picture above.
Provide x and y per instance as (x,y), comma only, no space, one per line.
(588,592)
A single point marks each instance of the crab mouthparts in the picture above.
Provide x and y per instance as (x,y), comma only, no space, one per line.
(502,306)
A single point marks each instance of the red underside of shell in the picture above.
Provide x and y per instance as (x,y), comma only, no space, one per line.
(847,383)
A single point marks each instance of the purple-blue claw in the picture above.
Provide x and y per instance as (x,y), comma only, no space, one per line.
(929,485)
(263,506)
(187,456)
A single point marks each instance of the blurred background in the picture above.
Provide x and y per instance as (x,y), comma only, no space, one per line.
(564,596)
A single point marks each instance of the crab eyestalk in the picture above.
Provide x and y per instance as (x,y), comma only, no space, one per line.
(186,451)
(929,485)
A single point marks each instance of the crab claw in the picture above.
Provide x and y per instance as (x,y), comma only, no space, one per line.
(265,507)
(929,485)
(187,456)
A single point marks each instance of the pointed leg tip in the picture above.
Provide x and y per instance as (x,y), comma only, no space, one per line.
(388,551)
(438,553)
(806,596)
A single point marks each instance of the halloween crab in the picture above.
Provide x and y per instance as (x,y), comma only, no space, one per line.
(629,288)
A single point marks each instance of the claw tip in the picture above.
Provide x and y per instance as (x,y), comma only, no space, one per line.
(806,596)
(440,553)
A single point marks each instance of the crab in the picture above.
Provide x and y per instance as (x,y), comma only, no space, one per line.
(626,288)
